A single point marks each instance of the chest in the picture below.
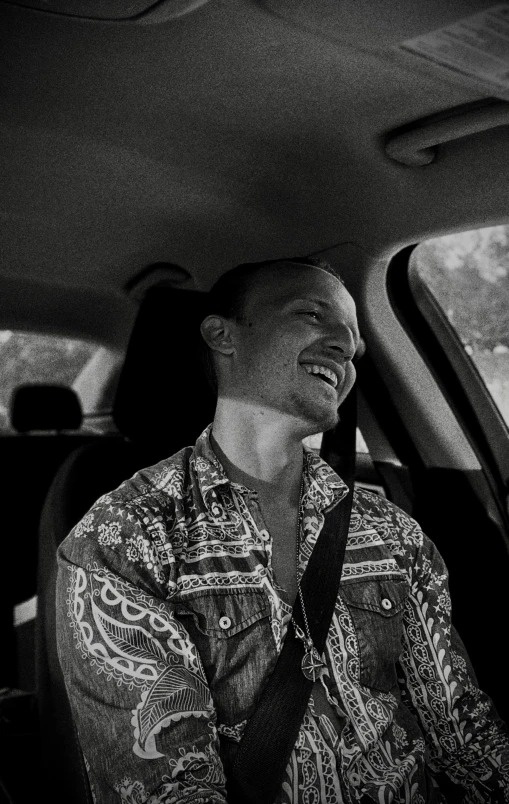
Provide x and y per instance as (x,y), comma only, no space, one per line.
(282,523)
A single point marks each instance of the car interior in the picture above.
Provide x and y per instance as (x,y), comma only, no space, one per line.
(149,146)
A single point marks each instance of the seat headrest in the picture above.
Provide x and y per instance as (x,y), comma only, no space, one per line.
(163,395)
(45,407)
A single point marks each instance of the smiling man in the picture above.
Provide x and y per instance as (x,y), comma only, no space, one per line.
(176,590)
(282,354)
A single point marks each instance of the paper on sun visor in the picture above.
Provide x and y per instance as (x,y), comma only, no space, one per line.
(476,46)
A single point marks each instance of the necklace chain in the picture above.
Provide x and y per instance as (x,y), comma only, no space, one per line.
(312,663)
(299,590)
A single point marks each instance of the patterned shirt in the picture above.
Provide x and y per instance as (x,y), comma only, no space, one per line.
(170,622)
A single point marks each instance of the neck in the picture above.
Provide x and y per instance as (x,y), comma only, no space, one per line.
(262,445)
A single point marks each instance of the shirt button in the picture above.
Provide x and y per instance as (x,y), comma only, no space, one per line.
(225,623)
(355,779)
(386,603)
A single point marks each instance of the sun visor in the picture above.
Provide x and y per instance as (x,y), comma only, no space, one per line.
(140,11)
(463,41)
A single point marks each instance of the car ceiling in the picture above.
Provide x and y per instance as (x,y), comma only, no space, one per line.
(238,131)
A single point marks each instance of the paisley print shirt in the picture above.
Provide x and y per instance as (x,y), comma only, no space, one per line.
(170,622)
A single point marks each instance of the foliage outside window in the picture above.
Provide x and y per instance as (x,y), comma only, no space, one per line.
(468,274)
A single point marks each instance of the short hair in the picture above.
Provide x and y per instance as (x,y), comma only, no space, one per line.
(227,296)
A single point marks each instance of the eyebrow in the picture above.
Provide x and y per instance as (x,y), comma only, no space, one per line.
(321,302)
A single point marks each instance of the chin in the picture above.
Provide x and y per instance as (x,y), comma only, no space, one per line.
(319,420)
(329,422)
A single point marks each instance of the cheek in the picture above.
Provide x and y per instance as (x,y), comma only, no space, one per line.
(269,353)
(259,365)
(350,375)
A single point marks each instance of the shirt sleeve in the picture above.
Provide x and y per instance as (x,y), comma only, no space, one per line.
(466,740)
(137,689)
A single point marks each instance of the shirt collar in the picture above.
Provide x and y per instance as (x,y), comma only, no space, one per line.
(323,488)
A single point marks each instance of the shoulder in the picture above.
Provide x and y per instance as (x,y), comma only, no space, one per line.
(414,552)
(130,529)
(150,493)
(400,531)
(163,481)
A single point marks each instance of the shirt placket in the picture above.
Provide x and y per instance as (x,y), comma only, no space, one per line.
(280,609)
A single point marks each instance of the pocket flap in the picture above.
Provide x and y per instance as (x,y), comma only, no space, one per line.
(224,614)
(386,596)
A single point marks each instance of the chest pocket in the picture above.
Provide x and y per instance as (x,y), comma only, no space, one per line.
(376,608)
(232,632)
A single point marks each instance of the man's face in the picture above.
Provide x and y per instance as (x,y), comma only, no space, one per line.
(294,345)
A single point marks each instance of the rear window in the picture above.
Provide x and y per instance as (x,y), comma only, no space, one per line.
(91,370)
(468,276)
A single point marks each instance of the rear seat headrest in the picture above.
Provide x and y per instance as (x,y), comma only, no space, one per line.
(45,407)
(163,394)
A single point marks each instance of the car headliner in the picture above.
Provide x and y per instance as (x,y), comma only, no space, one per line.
(239,131)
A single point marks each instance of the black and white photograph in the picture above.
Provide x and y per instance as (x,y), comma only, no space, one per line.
(254,402)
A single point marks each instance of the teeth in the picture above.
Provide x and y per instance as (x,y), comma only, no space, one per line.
(316,369)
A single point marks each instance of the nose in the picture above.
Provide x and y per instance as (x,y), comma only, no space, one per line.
(340,340)
(360,351)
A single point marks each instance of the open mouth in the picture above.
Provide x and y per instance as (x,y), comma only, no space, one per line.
(322,373)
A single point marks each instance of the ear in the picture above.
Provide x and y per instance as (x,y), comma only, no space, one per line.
(217,334)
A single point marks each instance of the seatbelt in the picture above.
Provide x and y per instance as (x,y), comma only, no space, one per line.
(260,760)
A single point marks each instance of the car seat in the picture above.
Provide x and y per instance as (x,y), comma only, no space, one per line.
(163,402)
(46,420)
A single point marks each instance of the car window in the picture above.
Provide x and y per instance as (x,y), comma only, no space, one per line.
(315,442)
(91,370)
(467,274)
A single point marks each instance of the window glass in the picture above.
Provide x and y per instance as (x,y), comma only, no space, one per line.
(28,357)
(315,442)
(468,275)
